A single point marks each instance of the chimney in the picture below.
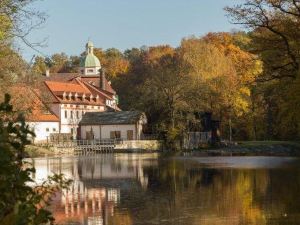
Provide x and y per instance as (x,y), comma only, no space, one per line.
(47,73)
(102,79)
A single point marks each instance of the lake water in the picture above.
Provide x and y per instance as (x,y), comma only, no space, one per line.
(146,189)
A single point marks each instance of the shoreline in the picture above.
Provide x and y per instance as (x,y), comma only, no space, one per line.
(267,148)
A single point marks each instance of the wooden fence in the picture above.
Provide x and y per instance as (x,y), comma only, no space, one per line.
(194,140)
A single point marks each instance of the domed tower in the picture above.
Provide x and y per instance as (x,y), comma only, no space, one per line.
(89,63)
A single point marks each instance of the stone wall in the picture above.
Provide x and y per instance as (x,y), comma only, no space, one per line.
(140,145)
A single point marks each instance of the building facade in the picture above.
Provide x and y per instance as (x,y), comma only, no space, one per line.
(68,96)
(125,125)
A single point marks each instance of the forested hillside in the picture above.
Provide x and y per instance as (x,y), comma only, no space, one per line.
(248,79)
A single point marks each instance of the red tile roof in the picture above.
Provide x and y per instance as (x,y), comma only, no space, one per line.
(94,80)
(67,87)
(33,107)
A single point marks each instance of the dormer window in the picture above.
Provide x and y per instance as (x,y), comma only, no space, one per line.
(64,95)
(91,97)
(70,96)
(76,96)
(83,97)
(97,98)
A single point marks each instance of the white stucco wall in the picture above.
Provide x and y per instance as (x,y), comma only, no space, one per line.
(106,129)
(86,70)
(68,123)
(40,129)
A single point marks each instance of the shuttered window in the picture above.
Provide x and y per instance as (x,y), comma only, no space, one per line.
(115,134)
(112,135)
(129,134)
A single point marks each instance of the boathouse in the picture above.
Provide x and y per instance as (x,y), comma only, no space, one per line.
(125,125)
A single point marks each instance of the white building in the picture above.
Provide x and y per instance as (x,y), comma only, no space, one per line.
(126,125)
(70,95)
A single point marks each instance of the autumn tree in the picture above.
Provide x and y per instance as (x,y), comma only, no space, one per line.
(274,30)
(113,61)
(274,33)
(221,72)
(165,91)
(17,19)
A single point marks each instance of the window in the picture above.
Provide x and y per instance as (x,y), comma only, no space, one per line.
(71,114)
(54,129)
(90,70)
(47,129)
(129,134)
(72,131)
(66,114)
(115,134)
(77,114)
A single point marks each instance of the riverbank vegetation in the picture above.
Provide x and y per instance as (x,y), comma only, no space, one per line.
(248,79)
(22,200)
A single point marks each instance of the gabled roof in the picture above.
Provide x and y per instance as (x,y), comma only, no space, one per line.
(67,87)
(31,105)
(109,118)
(94,80)
(61,76)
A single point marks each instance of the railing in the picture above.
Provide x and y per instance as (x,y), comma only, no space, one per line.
(195,139)
(86,147)
(87,142)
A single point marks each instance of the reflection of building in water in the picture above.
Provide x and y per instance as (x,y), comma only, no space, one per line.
(95,190)
(86,205)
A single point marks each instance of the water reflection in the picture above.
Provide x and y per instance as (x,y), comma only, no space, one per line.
(97,181)
(144,189)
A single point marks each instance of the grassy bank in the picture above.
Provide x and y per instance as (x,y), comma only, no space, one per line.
(254,148)
(33,151)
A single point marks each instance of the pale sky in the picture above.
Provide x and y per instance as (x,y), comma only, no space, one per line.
(125,24)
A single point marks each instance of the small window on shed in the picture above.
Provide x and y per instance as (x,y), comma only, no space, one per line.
(129,134)
(115,134)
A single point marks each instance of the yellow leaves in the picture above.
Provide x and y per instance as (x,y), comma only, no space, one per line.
(155,54)
(5,26)
(204,61)
(245,91)
(221,70)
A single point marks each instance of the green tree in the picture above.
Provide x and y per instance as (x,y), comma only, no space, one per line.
(20,203)
(39,65)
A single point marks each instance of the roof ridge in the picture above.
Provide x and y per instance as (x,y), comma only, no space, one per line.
(97,90)
(81,84)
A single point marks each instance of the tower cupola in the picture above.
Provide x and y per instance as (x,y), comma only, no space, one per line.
(89,63)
